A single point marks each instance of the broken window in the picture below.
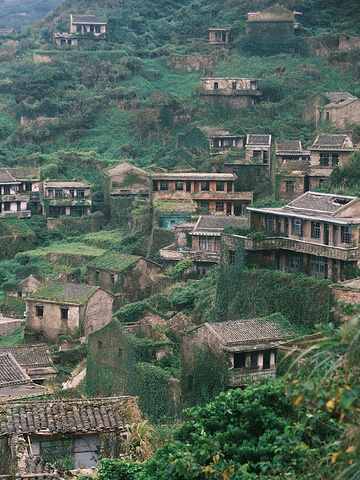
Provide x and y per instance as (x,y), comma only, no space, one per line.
(297,226)
(39,310)
(205,243)
(335,159)
(205,186)
(179,185)
(315,229)
(216,85)
(80,193)
(232,257)
(204,204)
(346,234)
(58,193)
(64,313)
(220,186)
(239,359)
(219,206)
(289,186)
(324,158)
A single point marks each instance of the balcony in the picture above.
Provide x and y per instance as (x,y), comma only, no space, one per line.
(169,254)
(302,246)
(240,377)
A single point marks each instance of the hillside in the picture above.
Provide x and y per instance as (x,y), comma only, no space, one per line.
(17,14)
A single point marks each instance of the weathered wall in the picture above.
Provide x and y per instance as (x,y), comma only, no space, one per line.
(349,42)
(97,312)
(190,63)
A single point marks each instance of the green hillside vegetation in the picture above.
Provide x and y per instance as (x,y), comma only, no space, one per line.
(18,14)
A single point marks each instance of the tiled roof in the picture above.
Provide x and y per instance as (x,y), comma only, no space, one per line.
(86,19)
(64,292)
(64,184)
(338,96)
(289,145)
(6,177)
(116,262)
(11,372)
(215,131)
(330,140)
(257,139)
(216,223)
(193,176)
(29,355)
(124,167)
(254,330)
(340,103)
(67,416)
(324,203)
(22,173)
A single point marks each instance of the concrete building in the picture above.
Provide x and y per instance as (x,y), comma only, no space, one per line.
(71,308)
(65,198)
(82,27)
(340,104)
(248,345)
(317,233)
(12,199)
(239,92)
(258,149)
(218,36)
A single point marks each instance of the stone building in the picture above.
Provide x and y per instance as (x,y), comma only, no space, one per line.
(25,287)
(12,199)
(249,346)
(238,92)
(130,277)
(275,24)
(339,112)
(42,439)
(318,101)
(82,27)
(71,308)
(218,36)
(327,152)
(317,233)
(258,149)
(65,198)
(176,196)
(34,359)
(29,179)
(205,237)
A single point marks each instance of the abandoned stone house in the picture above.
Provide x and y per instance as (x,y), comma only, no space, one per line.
(258,149)
(318,102)
(176,196)
(6,31)
(130,277)
(203,249)
(276,24)
(15,383)
(29,179)
(82,27)
(238,92)
(75,309)
(65,198)
(25,287)
(34,359)
(317,234)
(218,36)
(339,112)
(249,346)
(12,199)
(41,439)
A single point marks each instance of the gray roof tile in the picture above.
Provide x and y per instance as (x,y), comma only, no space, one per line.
(325,203)
(29,355)
(11,372)
(217,223)
(258,139)
(330,140)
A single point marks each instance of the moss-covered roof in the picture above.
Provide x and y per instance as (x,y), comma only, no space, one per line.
(64,292)
(13,225)
(175,205)
(116,262)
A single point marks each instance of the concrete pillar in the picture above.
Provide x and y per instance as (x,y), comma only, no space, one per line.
(192,189)
(272,359)
(260,361)
(232,208)
(248,360)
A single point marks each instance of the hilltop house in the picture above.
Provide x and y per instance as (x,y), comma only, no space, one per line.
(41,439)
(82,27)
(65,198)
(249,346)
(71,308)
(132,277)
(218,36)
(317,233)
(275,24)
(34,359)
(12,200)
(327,152)
(205,238)
(239,92)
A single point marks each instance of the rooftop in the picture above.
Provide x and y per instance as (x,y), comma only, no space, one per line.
(125,167)
(23,173)
(258,140)
(289,146)
(319,202)
(67,416)
(86,19)
(11,372)
(28,355)
(242,332)
(6,177)
(65,184)
(217,223)
(333,140)
(194,176)
(338,96)
(117,262)
(64,292)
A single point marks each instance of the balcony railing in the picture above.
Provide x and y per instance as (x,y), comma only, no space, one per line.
(243,377)
(169,254)
(302,246)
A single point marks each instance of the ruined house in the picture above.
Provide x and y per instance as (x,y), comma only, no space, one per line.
(12,199)
(238,92)
(205,238)
(315,106)
(82,27)
(42,439)
(317,234)
(65,198)
(349,42)
(25,287)
(275,24)
(29,179)
(258,149)
(218,36)
(248,346)
(71,308)
(34,359)
(176,196)
(130,277)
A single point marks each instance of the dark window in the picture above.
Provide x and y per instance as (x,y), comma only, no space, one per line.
(239,360)
(289,185)
(219,206)
(50,192)
(79,211)
(346,234)
(266,360)
(322,182)
(269,222)
(53,450)
(69,42)
(164,185)
(19,294)
(229,186)
(92,28)
(297,226)
(100,344)
(319,266)
(205,186)
(234,85)
(72,193)
(265,156)
(254,360)
(64,313)
(80,193)
(204,204)
(78,28)
(120,352)
(205,243)
(6,190)
(327,116)
(232,257)
(216,85)
(58,193)
(97,275)
(39,310)
(188,186)
(292,262)
(18,206)
(155,185)
(220,186)
(28,187)
(217,244)
(335,159)
(6,206)
(324,158)
(315,229)
(97,29)
(179,185)
(256,153)
(112,278)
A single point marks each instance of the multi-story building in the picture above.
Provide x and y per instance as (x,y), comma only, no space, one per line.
(317,233)
(81,27)
(175,196)
(65,198)
(275,24)
(12,199)
(239,92)
(258,149)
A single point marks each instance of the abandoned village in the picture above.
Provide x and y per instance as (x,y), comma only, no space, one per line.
(199,254)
